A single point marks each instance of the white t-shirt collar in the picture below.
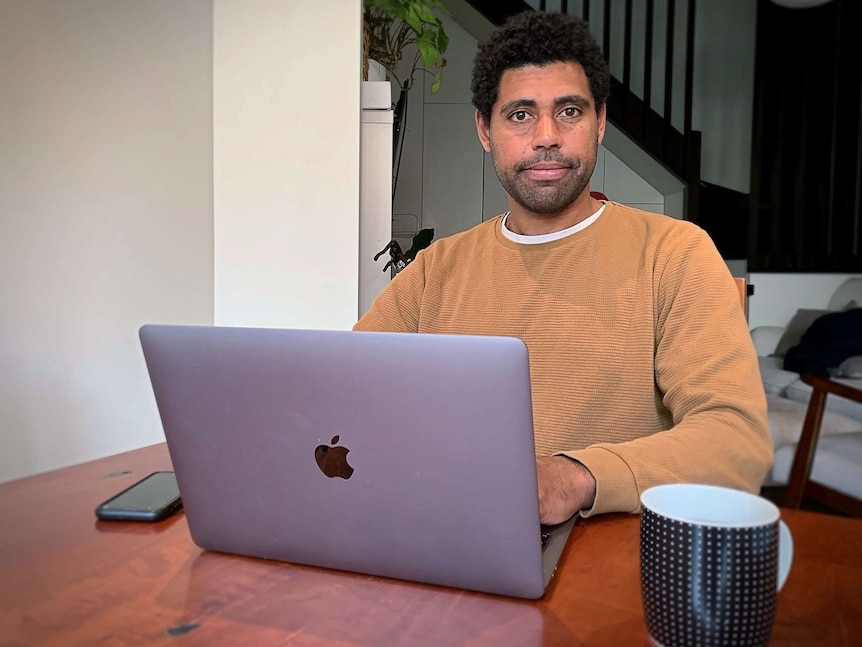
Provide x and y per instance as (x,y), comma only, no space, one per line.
(547,238)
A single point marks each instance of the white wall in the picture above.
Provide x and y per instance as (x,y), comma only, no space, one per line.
(106,194)
(777,297)
(286,166)
(620,183)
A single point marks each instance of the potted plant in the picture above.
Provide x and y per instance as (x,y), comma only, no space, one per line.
(393,25)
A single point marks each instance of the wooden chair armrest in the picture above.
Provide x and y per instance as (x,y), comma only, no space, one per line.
(836,388)
(804,457)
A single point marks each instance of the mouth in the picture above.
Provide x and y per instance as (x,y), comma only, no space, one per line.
(547,170)
(544,166)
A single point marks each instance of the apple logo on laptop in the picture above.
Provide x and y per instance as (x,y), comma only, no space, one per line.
(332,461)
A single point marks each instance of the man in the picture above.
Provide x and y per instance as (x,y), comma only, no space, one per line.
(642,368)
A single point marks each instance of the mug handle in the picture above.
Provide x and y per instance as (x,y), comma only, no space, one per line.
(785,553)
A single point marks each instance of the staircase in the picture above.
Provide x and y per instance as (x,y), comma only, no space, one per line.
(666,136)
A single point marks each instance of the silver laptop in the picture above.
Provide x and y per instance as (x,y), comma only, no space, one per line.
(408,456)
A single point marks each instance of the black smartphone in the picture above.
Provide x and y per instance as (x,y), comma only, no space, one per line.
(150,499)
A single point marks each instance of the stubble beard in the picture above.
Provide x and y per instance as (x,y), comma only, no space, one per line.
(549,197)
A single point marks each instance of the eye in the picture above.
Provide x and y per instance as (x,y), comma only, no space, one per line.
(519,116)
(571,111)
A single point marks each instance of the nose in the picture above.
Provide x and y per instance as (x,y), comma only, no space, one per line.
(546,133)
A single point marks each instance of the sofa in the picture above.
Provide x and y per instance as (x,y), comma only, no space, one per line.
(838,459)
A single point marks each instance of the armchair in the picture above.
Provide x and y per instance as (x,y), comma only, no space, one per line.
(831,484)
(837,460)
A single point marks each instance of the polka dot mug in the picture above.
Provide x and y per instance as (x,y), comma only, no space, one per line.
(712,562)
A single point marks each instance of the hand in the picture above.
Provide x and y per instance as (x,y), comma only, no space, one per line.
(565,486)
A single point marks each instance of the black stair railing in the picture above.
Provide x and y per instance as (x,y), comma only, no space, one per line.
(629,110)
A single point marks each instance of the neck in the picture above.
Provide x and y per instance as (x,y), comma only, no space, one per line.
(526,223)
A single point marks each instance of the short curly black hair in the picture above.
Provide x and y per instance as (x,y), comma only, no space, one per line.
(537,38)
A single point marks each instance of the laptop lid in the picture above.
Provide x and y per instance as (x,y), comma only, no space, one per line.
(402,455)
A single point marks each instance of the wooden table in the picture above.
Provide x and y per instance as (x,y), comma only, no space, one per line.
(68,579)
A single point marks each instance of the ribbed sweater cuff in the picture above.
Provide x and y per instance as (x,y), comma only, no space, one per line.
(616,489)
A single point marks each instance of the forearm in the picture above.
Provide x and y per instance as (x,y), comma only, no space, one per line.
(719,448)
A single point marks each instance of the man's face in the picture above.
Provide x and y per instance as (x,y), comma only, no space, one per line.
(544,135)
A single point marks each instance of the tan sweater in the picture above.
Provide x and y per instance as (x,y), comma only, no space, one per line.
(641,363)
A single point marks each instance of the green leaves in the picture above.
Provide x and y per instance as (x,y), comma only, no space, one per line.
(427,43)
(424,13)
(395,24)
(435,85)
(442,41)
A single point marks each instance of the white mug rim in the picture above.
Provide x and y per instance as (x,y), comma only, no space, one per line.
(660,500)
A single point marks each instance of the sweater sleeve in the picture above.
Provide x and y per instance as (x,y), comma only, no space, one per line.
(707,374)
(397,308)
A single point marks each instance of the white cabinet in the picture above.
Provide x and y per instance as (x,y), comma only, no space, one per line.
(375,190)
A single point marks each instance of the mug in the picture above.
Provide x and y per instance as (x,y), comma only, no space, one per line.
(712,562)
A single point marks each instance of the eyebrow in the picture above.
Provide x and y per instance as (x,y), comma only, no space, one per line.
(523,102)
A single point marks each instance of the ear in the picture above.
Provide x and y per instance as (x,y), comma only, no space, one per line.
(602,119)
(484,132)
